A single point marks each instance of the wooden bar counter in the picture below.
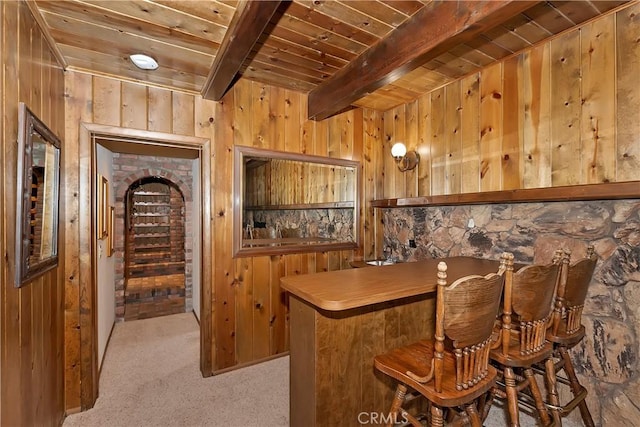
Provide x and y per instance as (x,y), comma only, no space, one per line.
(340,320)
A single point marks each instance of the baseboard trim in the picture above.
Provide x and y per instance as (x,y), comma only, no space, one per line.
(246,364)
(106,348)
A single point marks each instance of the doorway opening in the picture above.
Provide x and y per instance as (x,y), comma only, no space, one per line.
(154,258)
(96,141)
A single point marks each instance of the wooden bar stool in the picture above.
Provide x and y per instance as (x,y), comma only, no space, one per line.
(567,331)
(526,314)
(452,370)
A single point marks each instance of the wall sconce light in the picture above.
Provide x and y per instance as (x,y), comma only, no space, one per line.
(406,160)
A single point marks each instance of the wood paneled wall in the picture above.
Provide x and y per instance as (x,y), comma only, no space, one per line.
(249,310)
(286,182)
(247,293)
(566,112)
(31,320)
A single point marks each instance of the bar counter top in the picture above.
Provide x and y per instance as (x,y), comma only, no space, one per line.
(359,287)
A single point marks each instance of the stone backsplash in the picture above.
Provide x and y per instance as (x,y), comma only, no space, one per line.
(334,224)
(608,359)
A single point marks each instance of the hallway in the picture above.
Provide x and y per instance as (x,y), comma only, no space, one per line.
(150,377)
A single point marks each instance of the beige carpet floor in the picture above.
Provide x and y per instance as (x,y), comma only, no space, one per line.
(151,378)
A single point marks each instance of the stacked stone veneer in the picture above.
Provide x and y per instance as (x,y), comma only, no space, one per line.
(335,224)
(129,168)
(607,360)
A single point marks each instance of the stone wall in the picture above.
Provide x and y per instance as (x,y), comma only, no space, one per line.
(607,360)
(335,224)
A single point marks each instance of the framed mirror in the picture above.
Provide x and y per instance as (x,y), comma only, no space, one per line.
(288,202)
(37,204)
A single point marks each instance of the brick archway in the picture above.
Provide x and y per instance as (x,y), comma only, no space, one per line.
(150,167)
(122,186)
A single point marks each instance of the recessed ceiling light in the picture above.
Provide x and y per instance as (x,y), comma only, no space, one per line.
(144,62)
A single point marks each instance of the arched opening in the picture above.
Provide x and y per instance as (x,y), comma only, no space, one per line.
(154,266)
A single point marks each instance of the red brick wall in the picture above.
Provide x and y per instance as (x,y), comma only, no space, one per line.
(127,169)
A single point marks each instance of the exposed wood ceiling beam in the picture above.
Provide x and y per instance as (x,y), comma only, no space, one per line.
(246,27)
(433,30)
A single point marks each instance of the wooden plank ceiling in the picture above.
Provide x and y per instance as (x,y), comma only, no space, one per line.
(368,48)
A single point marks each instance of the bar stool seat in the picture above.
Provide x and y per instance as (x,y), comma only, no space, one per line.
(566,332)
(520,345)
(411,358)
(452,370)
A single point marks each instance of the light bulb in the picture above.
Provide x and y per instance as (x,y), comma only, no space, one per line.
(398,150)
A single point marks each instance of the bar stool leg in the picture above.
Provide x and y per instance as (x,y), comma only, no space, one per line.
(512,396)
(576,388)
(437,419)
(474,417)
(398,400)
(537,397)
(552,389)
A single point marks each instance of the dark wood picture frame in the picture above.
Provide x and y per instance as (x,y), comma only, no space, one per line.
(37,197)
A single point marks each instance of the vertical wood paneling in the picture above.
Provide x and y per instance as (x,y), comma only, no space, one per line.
(368,184)
(598,101)
(292,131)
(453,140)
(243,119)
(225,306)
(278,317)
(243,285)
(390,169)
(205,113)
(399,133)
(334,261)
(628,94)
(491,128)
(537,118)
(353,187)
(321,139)
(260,114)
(44,370)
(31,336)
(424,145)
(106,101)
(470,92)
(261,307)
(11,364)
(275,136)
(512,116)
(334,135)
(561,113)
(307,131)
(438,142)
(565,110)
(134,105)
(159,110)
(78,90)
(411,141)
(182,111)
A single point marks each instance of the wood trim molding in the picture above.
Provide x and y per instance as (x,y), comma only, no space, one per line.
(57,53)
(607,191)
